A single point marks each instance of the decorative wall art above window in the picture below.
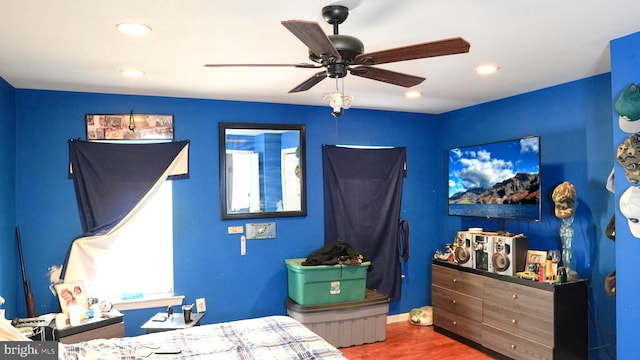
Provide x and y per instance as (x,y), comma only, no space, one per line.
(138,127)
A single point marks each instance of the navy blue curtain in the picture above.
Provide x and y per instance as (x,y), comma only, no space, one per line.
(111,178)
(362,199)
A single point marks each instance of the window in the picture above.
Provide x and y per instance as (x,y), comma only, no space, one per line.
(140,262)
(127,253)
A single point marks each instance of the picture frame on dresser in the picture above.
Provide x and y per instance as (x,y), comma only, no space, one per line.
(536,257)
(71,293)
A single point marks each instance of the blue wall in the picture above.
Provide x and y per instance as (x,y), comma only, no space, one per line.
(573,121)
(625,61)
(207,260)
(8,252)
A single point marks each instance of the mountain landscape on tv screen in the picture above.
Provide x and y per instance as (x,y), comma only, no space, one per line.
(522,188)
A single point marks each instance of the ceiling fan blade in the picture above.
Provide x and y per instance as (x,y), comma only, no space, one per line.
(310,82)
(311,34)
(301,65)
(387,76)
(420,51)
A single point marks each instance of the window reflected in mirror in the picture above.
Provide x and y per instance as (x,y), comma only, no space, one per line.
(262,170)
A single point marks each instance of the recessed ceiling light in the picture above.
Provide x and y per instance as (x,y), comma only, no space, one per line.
(486,69)
(133,29)
(413,94)
(131,72)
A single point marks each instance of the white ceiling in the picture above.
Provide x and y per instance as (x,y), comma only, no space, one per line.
(73,45)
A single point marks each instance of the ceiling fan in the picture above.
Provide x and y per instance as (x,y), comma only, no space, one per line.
(341,54)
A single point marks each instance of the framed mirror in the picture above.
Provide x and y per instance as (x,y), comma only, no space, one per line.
(262,170)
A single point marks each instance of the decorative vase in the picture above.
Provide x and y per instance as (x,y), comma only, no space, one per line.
(566,238)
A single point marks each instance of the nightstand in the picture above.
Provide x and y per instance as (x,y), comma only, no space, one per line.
(89,329)
(176,321)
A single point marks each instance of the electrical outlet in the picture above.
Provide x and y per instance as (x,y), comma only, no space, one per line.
(201,305)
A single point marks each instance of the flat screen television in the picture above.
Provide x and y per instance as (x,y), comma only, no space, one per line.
(498,180)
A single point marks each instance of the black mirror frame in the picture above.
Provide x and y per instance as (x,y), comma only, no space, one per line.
(222,127)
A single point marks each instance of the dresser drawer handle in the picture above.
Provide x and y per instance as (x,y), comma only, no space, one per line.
(514,296)
(514,321)
(454,280)
(513,346)
(453,301)
(455,323)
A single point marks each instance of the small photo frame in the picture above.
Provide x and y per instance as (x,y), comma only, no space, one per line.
(136,127)
(71,293)
(536,257)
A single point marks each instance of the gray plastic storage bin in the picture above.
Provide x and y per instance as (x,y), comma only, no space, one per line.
(346,324)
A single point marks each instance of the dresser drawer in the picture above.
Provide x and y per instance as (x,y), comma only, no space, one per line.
(457,324)
(467,283)
(519,297)
(514,346)
(457,303)
(105,332)
(525,324)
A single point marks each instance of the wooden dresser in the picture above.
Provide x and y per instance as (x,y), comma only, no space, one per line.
(510,317)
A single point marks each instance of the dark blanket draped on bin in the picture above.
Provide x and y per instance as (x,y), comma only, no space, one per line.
(362,198)
(335,253)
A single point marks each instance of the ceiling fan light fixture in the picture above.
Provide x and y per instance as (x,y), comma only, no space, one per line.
(487,69)
(338,101)
(133,73)
(346,101)
(133,29)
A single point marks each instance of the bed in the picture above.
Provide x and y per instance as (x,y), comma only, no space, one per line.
(271,337)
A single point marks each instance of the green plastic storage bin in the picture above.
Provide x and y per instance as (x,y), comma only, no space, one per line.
(325,284)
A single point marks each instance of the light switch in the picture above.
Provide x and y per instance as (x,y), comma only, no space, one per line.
(235,229)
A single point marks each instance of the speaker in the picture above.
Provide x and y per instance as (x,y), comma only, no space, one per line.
(463,249)
(482,251)
(509,254)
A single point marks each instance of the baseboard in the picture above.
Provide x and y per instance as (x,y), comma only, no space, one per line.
(397,318)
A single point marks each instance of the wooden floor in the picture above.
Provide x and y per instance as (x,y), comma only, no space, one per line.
(405,341)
